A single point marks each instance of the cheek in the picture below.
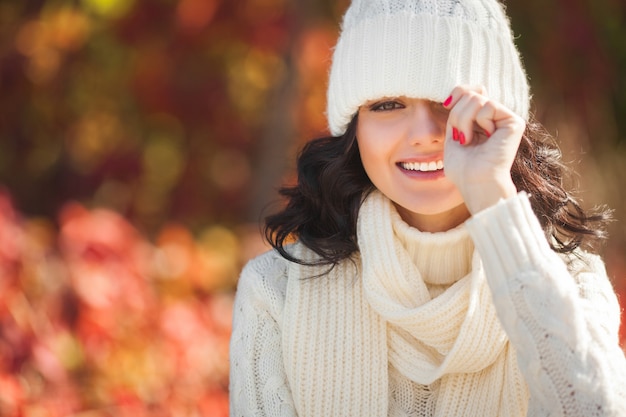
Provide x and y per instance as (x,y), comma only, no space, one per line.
(374,158)
(370,153)
(366,148)
(373,142)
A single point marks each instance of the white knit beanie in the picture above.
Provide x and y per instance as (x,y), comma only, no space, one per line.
(423,49)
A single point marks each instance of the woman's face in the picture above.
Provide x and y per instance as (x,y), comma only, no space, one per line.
(401,142)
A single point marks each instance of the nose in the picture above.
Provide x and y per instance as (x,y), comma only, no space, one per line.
(424,128)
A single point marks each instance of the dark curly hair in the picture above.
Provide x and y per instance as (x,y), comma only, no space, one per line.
(323,206)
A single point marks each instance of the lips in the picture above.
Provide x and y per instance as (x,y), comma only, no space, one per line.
(422,166)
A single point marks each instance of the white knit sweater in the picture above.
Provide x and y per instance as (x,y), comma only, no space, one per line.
(421,324)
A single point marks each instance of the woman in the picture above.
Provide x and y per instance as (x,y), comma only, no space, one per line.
(438,267)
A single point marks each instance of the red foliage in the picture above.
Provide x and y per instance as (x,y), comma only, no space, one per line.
(91,319)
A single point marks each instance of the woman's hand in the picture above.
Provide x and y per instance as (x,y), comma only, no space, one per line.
(482,137)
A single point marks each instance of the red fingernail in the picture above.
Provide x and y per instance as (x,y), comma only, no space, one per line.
(462,138)
(487,133)
(455,134)
(447,102)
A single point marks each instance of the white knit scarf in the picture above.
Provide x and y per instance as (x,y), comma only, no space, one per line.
(345,328)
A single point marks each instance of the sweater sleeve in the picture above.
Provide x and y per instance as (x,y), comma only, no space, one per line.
(561,317)
(258,385)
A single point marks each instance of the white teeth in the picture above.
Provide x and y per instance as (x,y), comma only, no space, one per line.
(422,166)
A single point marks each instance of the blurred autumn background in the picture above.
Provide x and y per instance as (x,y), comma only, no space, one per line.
(142,140)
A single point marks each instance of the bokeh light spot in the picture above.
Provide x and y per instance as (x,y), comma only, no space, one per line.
(250,76)
(195,14)
(111,9)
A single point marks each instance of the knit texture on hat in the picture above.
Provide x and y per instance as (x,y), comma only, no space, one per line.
(423,49)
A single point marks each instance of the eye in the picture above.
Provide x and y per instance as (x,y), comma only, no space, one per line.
(386,105)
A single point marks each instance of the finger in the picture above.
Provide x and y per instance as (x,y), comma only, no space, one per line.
(486,118)
(502,118)
(462,116)
(460,91)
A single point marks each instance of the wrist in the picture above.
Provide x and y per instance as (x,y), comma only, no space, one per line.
(481,196)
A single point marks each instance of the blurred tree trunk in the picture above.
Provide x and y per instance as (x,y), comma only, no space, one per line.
(274,142)
(278,136)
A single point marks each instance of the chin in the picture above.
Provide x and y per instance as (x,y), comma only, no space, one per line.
(431,206)
(432,215)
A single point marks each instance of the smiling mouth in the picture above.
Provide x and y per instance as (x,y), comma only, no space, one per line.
(422,166)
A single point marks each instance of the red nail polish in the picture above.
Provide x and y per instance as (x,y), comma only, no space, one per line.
(447,102)
(462,138)
(488,134)
(455,134)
